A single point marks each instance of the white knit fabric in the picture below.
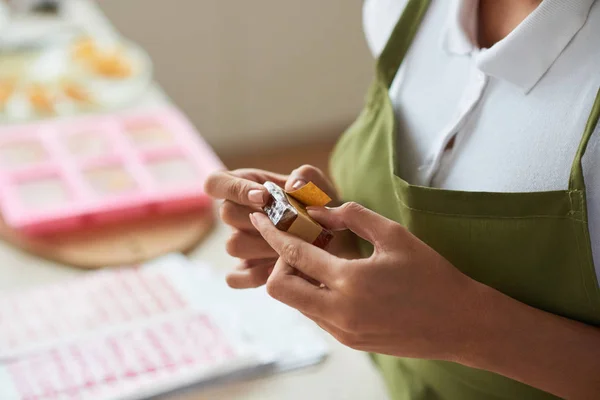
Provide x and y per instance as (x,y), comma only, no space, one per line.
(517,110)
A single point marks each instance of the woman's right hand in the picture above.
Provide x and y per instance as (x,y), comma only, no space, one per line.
(243,193)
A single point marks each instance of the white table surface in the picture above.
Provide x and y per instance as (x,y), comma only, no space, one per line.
(345,375)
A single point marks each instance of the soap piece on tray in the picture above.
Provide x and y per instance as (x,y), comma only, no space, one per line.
(289,214)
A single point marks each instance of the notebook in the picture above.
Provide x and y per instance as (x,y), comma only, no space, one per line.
(135,333)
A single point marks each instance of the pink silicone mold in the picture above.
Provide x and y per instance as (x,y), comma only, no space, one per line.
(59,175)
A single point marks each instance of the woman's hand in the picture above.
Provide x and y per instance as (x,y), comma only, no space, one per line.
(244,193)
(405,300)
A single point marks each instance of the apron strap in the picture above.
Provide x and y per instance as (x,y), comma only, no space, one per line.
(400,40)
(576,181)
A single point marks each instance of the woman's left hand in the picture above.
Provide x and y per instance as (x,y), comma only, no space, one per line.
(404,300)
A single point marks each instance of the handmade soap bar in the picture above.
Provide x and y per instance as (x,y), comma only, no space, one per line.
(311,195)
(288,212)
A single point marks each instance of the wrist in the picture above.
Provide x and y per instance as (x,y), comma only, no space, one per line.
(529,345)
(479,330)
(499,329)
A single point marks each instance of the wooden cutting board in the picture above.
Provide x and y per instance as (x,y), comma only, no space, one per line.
(115,244)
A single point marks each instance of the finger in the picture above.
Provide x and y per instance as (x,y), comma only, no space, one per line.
(249,246)
(253,277)
(237,216)
(260,176)
(228,186)
(307,173)
(307,258)
(365,223)
(287,287)
(308,278)
(246,264)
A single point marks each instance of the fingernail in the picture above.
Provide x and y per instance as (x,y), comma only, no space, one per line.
(253,219)
(313,208)
(298,184)
(256,196)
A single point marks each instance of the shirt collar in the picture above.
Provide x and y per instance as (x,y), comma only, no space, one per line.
(525,55)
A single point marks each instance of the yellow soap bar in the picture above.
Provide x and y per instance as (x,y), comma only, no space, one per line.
(311,195)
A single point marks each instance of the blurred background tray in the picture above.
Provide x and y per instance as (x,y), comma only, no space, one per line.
(126,243)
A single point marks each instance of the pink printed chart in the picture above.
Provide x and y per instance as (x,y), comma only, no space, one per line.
(137,363)
(126,333)
(66,174)
(138,332)
(41,317)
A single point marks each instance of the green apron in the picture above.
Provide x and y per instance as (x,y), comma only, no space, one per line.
(534,247)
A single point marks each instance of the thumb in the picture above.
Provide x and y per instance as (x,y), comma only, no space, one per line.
(307,173)
(365,223)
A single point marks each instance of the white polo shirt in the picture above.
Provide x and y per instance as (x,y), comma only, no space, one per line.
(517,110)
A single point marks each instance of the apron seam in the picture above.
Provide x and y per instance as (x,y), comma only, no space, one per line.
(589,261)
(579,209)
(581,271)
(576,215)
(570,216)
(583,259)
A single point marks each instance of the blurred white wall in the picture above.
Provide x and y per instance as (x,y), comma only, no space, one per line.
(253,73)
